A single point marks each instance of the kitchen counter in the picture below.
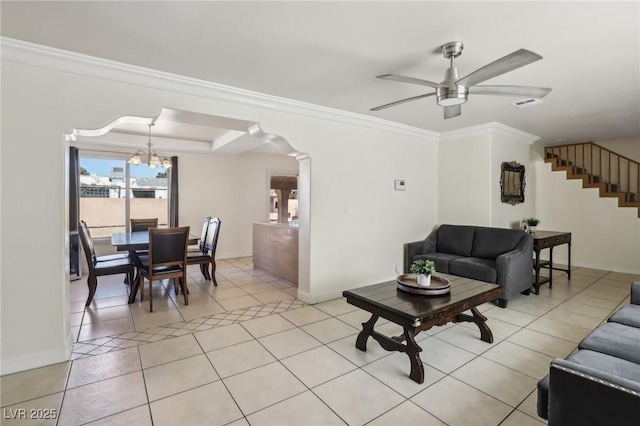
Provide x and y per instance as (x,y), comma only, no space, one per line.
(275,249)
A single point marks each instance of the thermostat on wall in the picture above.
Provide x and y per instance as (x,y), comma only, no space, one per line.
(399,184)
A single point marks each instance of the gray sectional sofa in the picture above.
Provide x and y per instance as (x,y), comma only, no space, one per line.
(495,255)
(599,384)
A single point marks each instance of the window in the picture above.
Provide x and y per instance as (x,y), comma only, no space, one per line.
(112,192)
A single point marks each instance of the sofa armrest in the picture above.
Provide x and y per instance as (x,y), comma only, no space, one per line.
(635,293)
(581,395)
(425,246)
(515,268)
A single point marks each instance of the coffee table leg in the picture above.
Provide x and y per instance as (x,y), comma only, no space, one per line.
(485,332)
(367,329)
(413,351)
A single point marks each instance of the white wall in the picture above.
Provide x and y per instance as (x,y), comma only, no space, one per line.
(231,188)
(506,149)
(630,148)
(358,222)
(464,177)
(470,163)
(604,236)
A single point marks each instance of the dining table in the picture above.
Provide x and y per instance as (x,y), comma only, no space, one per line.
(133,242)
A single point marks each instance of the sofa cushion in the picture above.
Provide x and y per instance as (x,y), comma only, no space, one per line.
(455,239)
(607,363)
(628,315)
(440,259)
(489,243)
(472,267)
(616,340)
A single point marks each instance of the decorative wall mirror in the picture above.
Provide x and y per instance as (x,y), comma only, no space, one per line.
(512,183)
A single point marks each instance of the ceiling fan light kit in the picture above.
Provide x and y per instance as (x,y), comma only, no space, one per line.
(453,91)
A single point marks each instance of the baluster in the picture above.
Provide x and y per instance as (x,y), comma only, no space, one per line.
(610,178)
(629,177)
(619,183)
(591,154)
(599,165)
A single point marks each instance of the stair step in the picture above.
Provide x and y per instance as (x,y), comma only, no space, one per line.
(591,185)
(582,176)
(627,197)
(612,194)
(578,176)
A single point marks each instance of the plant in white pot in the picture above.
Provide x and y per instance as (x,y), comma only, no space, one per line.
(532,224)
(424,269)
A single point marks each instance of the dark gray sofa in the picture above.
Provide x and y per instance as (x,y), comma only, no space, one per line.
(599,384)
(495,255)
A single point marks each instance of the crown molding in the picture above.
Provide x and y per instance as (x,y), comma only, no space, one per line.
(493,128)
(37,55)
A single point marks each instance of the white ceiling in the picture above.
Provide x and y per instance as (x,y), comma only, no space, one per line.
(328,53)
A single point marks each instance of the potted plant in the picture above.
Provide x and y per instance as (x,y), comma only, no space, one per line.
(532,223)
(424,269)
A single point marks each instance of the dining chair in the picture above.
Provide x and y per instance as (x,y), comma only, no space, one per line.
(207,255)
(138,225)
(167,259)
(106,257)
(103,265)
(143,224)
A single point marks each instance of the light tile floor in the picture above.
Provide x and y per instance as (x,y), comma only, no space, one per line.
(232,357)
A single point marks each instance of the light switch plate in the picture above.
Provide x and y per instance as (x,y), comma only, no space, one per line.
(399,185)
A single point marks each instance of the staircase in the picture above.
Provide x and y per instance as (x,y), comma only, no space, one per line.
(613,174)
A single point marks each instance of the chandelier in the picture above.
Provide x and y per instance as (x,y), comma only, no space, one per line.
(151,158)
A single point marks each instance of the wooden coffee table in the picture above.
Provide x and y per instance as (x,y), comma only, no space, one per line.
(416,313)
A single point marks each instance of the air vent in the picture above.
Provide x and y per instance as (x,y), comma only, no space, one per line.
(526,103)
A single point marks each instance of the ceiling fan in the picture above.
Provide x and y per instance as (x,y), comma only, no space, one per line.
(453,91)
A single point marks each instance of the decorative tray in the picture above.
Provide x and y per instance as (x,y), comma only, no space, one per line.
(409,283)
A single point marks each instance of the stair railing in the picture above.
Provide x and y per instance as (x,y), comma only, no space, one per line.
(600,165)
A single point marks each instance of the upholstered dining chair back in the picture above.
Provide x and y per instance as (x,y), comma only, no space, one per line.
(211,240)
(87,243)
(203,234)
(143,224)
(167,246)
(167,259)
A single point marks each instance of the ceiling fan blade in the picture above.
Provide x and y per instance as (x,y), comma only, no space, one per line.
(524,91)
(452,111)
(512,61)
(405,79)
(401,102)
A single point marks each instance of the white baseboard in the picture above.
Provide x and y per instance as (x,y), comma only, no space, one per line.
(590,265)
(314,298)
(38,359)
(224,256)
(602,267)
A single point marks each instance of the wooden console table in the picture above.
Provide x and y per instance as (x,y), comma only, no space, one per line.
(543,240)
